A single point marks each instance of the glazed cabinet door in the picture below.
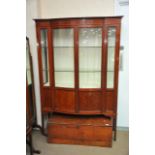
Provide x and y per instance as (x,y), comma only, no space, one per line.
(90,52)
(64,72)
(90,70)
(63,46)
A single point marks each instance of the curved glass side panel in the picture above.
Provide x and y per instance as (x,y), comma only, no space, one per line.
(45,57)
(111,56)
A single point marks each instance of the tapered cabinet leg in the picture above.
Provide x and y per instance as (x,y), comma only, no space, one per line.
(115,128)
(43,125)
(115,135)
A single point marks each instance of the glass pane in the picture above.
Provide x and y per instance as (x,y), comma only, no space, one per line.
(111,56)
(45,57)
(90,79)
(61,79)
(28,69)
(64,57)
(110,79)
(90,47)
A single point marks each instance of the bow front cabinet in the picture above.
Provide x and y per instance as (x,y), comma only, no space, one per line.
(79,65)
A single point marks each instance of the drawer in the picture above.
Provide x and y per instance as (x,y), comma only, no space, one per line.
(73,130)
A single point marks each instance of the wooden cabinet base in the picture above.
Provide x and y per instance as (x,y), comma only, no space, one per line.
(82,130)
(79,142)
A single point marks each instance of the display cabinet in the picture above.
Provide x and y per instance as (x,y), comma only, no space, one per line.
(79,65)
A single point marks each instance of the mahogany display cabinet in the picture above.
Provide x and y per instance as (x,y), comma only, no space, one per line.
(79,66)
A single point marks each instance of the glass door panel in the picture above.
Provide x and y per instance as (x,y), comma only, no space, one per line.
(64,57)
(28,67)
(90,47)
(45,57)
(111,56)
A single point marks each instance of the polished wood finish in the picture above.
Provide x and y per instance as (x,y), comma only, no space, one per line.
(77,101)
(63,99)
(81,130)
(47,100)
(110,106)
(90,101)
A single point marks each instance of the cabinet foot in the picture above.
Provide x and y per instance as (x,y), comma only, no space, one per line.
(43,125)
(115,129)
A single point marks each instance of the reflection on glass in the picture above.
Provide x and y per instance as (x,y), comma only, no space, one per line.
(90,46)
(111,56)
(28,69)
(64,57)
(45,57)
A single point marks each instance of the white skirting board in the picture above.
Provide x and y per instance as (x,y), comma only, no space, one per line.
(122,128)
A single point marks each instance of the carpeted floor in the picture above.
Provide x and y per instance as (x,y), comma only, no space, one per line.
(120,147)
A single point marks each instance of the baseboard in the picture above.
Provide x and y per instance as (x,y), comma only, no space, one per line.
(119,128)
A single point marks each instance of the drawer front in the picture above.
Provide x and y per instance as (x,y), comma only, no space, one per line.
(63,131)
(80,134)
(103,133)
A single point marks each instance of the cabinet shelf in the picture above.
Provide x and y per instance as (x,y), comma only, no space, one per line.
(110,71)
(63,46)
(64,71)
(90,46)
(79,71)
(89,71)
(81,47)
(85,71)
